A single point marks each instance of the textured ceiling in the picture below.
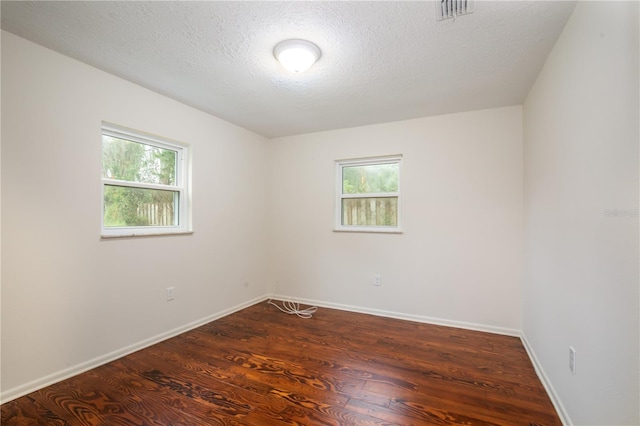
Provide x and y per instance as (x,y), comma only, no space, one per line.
(381,61)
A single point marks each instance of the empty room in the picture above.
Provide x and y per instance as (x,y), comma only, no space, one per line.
(320,213)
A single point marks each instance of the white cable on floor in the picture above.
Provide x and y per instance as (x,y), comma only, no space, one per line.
(293,308)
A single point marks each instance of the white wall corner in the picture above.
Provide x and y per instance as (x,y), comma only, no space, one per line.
(555,399)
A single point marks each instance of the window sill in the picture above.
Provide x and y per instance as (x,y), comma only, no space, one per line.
(134,235)
(369,230)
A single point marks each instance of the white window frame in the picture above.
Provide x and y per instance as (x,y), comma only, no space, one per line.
(182,186)
(368,161)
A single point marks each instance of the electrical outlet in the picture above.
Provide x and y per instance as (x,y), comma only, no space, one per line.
(572,359)
(377,279)
(170,295)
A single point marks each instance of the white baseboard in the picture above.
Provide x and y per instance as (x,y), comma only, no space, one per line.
(555,400)
(409,317)
(50,379)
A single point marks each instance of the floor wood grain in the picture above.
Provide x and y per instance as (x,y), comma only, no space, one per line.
(262,367)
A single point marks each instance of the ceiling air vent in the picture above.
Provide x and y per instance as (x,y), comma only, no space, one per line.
(447,9)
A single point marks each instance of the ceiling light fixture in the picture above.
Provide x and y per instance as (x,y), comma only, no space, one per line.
(296,55)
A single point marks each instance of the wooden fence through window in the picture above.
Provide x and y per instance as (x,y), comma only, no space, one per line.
(157,214)
(381,211)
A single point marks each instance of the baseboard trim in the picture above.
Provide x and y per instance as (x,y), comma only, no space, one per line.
(555,400)
(408,317)
(56,377)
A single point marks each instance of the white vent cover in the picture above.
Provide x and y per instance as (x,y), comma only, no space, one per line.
(447,9)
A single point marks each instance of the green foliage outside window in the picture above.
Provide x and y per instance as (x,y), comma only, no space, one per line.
(136,162)
(376,178)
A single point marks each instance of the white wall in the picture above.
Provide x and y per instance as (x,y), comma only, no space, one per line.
(69,298)
(581,265)
(459,258)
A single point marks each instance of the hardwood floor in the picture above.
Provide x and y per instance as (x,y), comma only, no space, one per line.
(262,367)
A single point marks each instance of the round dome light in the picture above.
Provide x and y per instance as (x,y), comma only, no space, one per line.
(296,55)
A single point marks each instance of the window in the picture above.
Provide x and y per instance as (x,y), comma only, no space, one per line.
(144,184)
(368,194)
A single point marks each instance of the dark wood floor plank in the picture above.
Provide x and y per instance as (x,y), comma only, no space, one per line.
(314,397)
(27,411)
(443,358)
(141,397)
(252,371)
(452,377)
(179,399)
(259,366)
(229,399)
(66,403)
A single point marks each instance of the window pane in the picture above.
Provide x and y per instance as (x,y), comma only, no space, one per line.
(125,206)
(137,162)
(370,178)
(370,211)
